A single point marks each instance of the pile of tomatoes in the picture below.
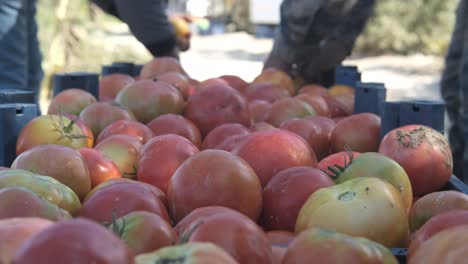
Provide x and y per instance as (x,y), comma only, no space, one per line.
(166,169)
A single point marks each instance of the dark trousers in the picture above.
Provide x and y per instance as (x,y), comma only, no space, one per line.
(454,90)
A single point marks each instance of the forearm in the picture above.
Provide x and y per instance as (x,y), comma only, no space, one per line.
(149,23)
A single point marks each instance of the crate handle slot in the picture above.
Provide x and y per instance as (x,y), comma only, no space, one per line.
(19,110)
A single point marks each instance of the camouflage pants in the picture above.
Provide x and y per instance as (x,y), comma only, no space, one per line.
(454,89)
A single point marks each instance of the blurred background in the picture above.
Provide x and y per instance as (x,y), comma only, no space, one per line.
(403,44)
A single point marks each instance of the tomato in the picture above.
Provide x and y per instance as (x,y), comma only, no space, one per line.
(50,129)
(261,126)
(214,177)
(286,193)
(424,154)
(322,246)
(278,237)
(260,150)
(64,164)
(277,77)
(148,99)
(231,232)
(176,124)
(379,166)
(161,157)
(265,91)
(16,231)
(199,215)
(155,191)
(100,167)
(365,207)
(212,82)
(110,85)
(336,108)
(316,130)
(437,224)
(360,132)
(44,186)
(70,101)
(179,81)
(90,243)
(217,105)
(160,65)
(313,89)
(144,232)
(341,159)
(340,89)
(316,102)
(126,127)
(235,82)
(86,131)
(448,246)
(117,200)
(347,103)
(21,202)
(99,115)
(433,204)
(287,109)
(196,252)
(259,110)
(124,151)
(220,134)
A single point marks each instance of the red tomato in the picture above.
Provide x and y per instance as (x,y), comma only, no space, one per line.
(220,134)
(265,91)
(231,232)
(99,166)
(341,159)
(176,124)
(126,127)
(161,157)
(316,102)
(287,109)
(110,85)
(286,193)
(214,177)
(424,154)
(70,101)
(120,199)
(360,132)
(90,243)
(217,105)
(261,151)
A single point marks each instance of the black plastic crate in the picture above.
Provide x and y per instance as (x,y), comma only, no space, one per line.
(80,80)
(13,117)
(11,96)
(369,98)
(421,112)
(137,69)
(347,75)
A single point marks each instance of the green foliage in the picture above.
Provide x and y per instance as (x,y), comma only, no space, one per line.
(409,26)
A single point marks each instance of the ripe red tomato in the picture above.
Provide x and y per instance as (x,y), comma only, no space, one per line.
(235,82)
(220,134)
(99,166)
(161,157)
(176,124)
(259,110)
(110,85)
(120,199)
(316,102)
(230,232)
(316,130)
(70,101)
(341,159)
(360,132)
(287,109)
(424,154)
(277,77)
(179,81)
(286,193)
(74,241)
(144,232)
(261,151)
(101,114)
(126,127)
(433,204)
(437,224)
(161,65)
(214,177)
(265,91)
(217,105)
(14,232)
